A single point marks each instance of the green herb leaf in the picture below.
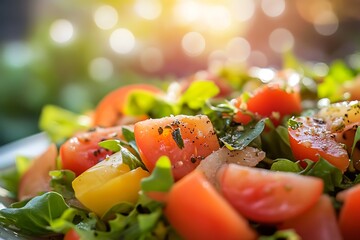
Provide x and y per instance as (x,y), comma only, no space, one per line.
(61,182)
(293,124)
(237,139)
(113,145)
(141,102)
(176,135)
(161,179)
(331,175)
(61,124)
(285,165)
(37,215)
(198,93)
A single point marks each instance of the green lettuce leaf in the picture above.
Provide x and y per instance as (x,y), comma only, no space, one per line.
(36,216)
(60,123)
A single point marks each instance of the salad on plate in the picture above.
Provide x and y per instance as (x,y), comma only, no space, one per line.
(259,153)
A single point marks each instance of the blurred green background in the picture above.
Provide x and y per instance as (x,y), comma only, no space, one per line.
(71,53)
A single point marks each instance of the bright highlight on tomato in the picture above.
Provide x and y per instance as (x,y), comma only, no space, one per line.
(310,140)
(82,151)
(197,211)
(186,140)
(271,101)
(110,110)
(107,184)
(267,196)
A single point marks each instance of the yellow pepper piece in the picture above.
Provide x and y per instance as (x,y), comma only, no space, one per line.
(107,184)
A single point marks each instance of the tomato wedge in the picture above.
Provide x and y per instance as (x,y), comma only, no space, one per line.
(319,222)
(271,101)
(197,211)
(267,196)
(82,151)
(110,110)
(36,179)
(310,140)
(349,217)
(186,140)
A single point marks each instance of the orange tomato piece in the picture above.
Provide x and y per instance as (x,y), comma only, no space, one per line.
(269,101)
(197,211)
(310,140)
(268,196)
(319,222)
(186,140)
(110,110)
(349,217)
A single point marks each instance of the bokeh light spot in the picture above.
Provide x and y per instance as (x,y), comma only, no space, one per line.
(106,17)
(258,59)
(101,69)
(273,8)
(122,41)
(186,11)
(243,10)
(326,23)
(148,9)
(17,54)
(281,40)
(193,44)
(61,31)
(320,69)
(238,49)
(217,17)
(151,59)
(354,60)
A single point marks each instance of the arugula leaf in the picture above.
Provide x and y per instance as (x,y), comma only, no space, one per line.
(331,175)
(285,165)
(141,102)
(128,158)
(276,143)
(37,215)
(61,182)
(238,139)
(60,123)
(130,138)
(198,93)
(161,179)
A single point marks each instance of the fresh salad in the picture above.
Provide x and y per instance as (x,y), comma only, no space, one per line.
(259,153)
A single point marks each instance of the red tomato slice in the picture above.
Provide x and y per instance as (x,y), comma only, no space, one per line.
(110,110)
(349,218)
(36,179)
(319,222)
(197,211)
(311,140)
(161,137)
(269,101)
(82,151)
(268,196)
(71,235)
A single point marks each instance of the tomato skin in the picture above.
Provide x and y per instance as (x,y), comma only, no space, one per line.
(82,151)
(36,179)
(155,138)
(349,217)
(319,222)
(267,196)
(311,140)
(110,110)
(197,211)
(269,101)
(71,235)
